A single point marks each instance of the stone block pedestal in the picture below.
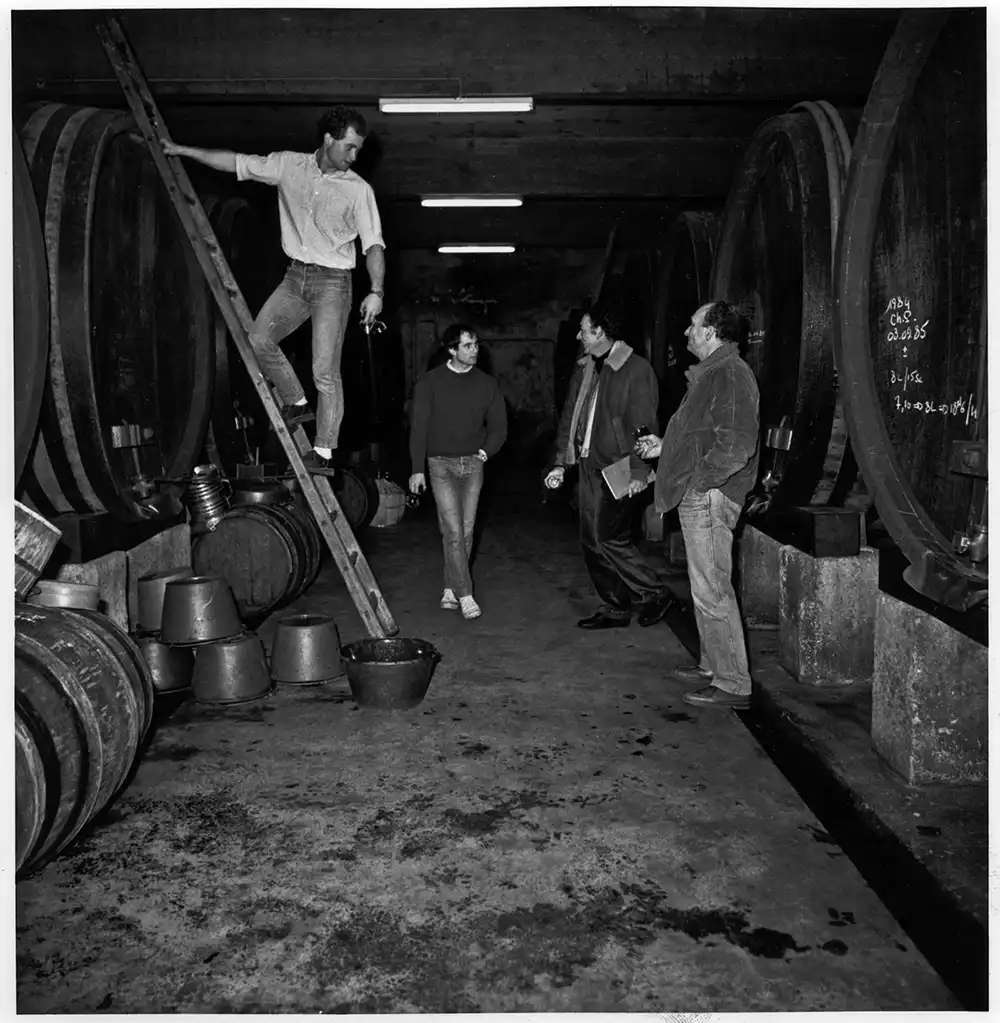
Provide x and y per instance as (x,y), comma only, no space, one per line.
(117,574)
(929,697)
(757,561)
(826,616)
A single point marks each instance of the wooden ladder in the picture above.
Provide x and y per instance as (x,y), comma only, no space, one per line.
(330,518)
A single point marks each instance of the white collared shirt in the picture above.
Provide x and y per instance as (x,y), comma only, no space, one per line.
(321,212)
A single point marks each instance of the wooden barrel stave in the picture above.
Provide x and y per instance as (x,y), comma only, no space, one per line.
(313,542)
(911,284)
(31,312)
(131,659)
(105,680)
(54,706)
(30,792)
(122,408)
(774,259)
(56,487)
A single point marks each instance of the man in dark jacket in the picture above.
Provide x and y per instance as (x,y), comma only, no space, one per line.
(611,394)
(708,464)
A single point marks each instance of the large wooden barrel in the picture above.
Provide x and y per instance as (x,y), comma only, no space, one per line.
(83,702)
(774,259)
(267,554)
(685,273)
(239,426)
(31,312)
(911,313)
(130,360)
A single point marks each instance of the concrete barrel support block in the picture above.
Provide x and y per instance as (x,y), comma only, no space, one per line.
(110,575)
(929,697)
(757,561)
(676,551)
(826,625)
(169,549)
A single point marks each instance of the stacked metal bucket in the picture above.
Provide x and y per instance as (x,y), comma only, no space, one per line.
(199,639)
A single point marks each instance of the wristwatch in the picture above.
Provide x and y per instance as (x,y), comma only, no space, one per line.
(377,291)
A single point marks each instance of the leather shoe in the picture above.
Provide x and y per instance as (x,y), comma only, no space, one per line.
(599,620)
(691,673)
(650,614)
(713,696)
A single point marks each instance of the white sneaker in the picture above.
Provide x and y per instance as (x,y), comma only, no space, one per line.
(470,609)
(449,602)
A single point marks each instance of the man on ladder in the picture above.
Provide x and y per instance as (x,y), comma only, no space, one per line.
(323,206)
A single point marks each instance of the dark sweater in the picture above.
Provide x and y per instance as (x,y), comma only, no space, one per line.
(456,414)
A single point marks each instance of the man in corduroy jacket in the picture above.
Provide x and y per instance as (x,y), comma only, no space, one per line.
(613,392)
(708,465)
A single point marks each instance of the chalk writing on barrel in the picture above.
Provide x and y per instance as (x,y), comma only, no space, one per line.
(903,326)
(965,407)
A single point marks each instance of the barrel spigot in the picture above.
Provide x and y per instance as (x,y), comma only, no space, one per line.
(974,544)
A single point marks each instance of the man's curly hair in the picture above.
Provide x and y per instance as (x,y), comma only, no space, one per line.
(729,322)
(337,120)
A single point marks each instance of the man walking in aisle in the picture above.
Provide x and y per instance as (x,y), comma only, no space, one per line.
(458,421)
(612,393)
(324,206)
(708,464)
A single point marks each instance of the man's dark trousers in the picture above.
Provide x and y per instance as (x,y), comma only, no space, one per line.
(622,576)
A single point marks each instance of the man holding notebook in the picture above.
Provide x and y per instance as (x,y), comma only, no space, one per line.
(612,393)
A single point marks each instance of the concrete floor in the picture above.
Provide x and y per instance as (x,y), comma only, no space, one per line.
(552,829)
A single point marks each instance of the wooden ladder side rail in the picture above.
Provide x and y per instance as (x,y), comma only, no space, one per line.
(330,518)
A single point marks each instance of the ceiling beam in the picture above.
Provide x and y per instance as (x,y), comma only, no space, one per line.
(357,54)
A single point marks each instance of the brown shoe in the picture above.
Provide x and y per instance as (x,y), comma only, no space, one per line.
(713,696)
(691,673)
(317,465)
(296,415)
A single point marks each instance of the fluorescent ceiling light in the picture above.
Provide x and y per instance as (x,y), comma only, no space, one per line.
(475,248)
(461,105)
(471,200)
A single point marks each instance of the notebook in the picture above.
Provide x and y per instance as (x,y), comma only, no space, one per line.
(618,475)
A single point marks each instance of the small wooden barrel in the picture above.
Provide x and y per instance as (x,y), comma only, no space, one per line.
(35,539)
(83,706)
(267,554)
(357,495)
(391,503)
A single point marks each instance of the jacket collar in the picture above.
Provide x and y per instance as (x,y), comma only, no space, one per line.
(618,355)
(727,350)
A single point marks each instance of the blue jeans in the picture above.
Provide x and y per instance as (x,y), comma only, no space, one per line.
(707,522)
(325,295)
(456,483)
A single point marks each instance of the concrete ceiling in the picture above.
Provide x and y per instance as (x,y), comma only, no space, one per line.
(639,112)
